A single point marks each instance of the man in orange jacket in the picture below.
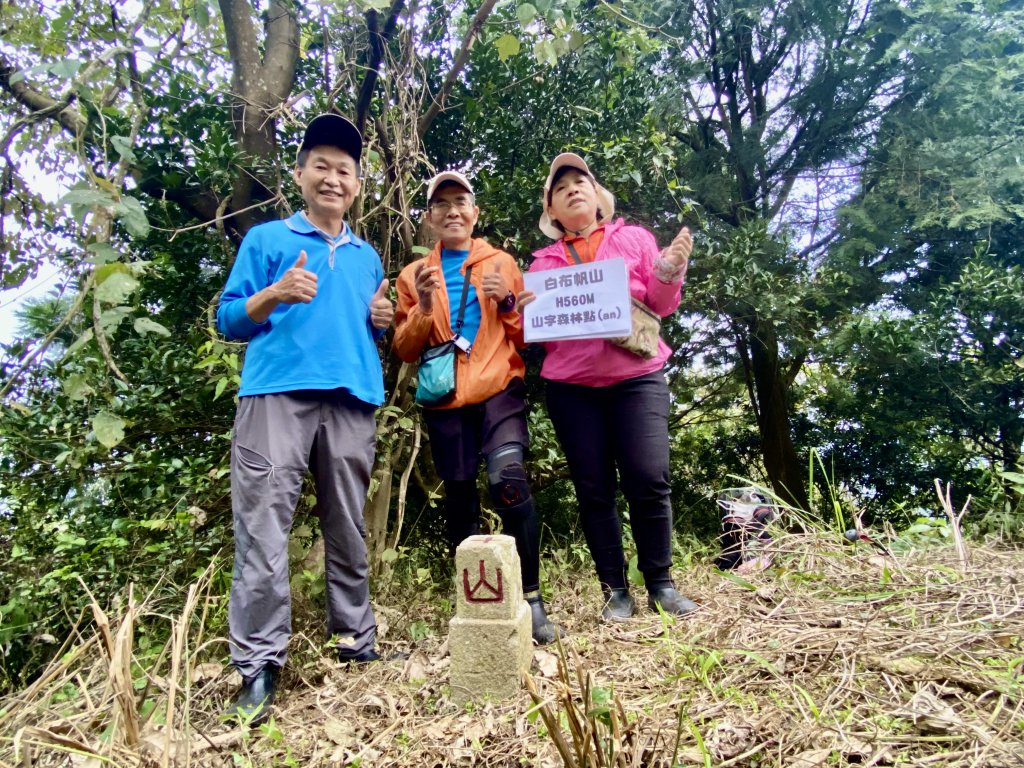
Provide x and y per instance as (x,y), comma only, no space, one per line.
(486,414)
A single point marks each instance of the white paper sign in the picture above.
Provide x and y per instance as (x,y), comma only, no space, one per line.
(584,301)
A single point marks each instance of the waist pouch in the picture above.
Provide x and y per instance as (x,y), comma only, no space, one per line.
(436,376)
(646,330)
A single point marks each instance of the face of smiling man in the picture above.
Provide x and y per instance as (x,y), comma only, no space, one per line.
(452,216)
(329,181)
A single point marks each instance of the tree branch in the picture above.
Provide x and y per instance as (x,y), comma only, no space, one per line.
(378,39)
(460,61)
(39,104)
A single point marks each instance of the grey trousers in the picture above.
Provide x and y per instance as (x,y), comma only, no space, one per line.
(275,438)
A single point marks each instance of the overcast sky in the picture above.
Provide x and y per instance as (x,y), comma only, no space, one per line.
(36,288)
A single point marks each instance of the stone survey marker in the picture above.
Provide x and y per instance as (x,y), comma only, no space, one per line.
(489,637)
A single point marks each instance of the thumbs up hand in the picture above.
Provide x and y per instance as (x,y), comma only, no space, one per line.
(382,311)
(678,252)
(493,285)
(297,285)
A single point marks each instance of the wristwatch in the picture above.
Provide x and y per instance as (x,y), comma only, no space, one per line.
(508,303)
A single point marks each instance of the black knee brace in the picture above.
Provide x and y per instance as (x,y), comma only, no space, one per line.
(507,480)
(512,488)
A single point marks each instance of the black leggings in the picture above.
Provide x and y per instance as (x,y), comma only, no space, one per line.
(623,426)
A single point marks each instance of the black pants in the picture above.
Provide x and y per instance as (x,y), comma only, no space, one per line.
(624,426)
(459,439)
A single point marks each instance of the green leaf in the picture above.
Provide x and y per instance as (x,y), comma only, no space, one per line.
(87,197)
(388,555)
(133,216)
(115,287)
(222,384)
(102,253)
(525,13)
(207,361)
(508,46)
(420,249)
(144,325)
(80,342)
(109,429)
(739,581)
(201,14)
(111,318)
(76,387)
(634,573)
(123,146)
(545,53)
(65,68)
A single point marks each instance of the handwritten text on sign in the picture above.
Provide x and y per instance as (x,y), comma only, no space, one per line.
(584,301)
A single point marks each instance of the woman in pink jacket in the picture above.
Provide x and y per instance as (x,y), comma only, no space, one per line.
(610,406)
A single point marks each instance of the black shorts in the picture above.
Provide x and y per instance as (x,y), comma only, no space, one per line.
(459,437)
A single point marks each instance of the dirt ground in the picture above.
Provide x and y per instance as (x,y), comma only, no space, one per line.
(834,655)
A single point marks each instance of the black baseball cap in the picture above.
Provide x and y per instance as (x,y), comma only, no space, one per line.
(334,131)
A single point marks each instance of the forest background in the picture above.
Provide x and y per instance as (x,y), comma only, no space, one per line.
(853,322)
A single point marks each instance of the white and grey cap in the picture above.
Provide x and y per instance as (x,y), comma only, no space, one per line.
(450,176)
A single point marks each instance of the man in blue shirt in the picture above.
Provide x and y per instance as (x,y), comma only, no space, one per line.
(310,298)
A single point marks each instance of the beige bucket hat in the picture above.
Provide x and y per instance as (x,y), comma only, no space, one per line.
(605,199)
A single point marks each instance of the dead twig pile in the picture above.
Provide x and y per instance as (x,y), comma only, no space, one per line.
(836,655)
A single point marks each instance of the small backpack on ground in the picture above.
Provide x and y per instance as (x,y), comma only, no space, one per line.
(746,513)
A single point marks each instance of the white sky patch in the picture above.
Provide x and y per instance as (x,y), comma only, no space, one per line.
(48,277)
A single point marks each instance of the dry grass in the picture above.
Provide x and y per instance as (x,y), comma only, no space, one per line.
(835,656)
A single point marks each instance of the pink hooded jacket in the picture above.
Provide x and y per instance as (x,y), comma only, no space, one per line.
(597,362)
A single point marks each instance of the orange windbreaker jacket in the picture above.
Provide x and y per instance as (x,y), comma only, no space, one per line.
(494,359)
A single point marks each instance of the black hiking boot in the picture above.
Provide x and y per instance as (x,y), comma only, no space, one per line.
(619,605)
(670,601)
(368,655)
(544,631)
(251,705)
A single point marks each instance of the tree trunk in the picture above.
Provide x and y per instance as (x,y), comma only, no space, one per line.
(1011,439)
(785,472)
(261,83)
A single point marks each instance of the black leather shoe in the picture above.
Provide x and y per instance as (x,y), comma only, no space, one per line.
(364,656)
(543,630)
(251,706)
(619,605)
(670,601)
(368,655)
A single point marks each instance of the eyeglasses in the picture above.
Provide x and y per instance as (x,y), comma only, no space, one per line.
(461,204)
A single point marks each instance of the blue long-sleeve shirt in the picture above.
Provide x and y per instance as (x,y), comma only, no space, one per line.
(329,343)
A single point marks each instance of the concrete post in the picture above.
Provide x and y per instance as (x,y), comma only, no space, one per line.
(489,637)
